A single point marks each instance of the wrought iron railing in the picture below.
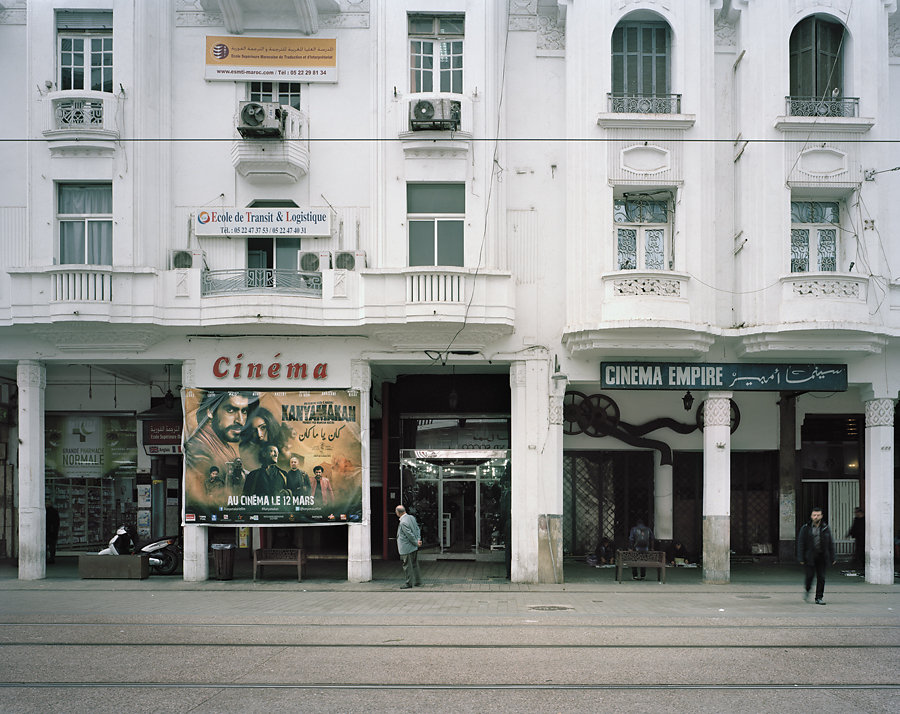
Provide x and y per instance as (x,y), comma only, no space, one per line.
(254,280)
(816,107)
(620,103)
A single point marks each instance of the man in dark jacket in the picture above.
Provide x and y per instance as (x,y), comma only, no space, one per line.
(815,550)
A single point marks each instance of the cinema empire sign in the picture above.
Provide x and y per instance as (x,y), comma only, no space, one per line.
(736,377)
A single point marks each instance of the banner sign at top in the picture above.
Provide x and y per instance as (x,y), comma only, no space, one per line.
(262,221)
(293,59)
(738,377)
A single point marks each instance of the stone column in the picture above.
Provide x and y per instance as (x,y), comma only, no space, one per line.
(359,535)
(787,478)
(663,500)
(879,487)
(536,486)
(717,488)
(196,538)
(31,379)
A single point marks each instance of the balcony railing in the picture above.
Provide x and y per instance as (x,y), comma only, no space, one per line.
(620,103)
(85,284)
(256,280)
(435,287)
(79,111)
(816,107)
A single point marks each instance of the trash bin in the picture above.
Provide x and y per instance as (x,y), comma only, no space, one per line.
(223,555)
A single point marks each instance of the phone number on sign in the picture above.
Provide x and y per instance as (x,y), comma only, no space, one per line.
(274,230)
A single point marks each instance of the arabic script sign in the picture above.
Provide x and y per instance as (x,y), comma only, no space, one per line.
(737,377)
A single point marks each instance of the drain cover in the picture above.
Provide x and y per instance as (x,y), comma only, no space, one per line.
(549,607)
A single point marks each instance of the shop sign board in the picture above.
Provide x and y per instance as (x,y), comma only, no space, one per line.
(89,446)
(275,222)
(240,448)
(737,377)
(162,437)
(268,59)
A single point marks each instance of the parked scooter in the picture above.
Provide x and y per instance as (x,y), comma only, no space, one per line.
(165,554)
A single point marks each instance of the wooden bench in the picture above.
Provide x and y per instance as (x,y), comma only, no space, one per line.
(641,559)
(279,556)
(94,565)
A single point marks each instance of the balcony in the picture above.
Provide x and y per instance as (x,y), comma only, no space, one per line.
(81,123)
(819,311)
(282,159)
(815,107)
(650,111)
(284,282)
(444,130)
(644,103)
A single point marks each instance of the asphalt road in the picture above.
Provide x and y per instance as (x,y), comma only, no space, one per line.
(629,650)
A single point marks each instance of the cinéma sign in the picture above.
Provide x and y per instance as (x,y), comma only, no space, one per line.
(736,377)
(262,221)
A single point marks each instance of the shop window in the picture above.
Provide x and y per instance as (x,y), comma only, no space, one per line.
(642,233)
(815,227)
(436,53)
(436,214)
(816,61)
(84,212)
(285,93)
(641,68)
(85,50)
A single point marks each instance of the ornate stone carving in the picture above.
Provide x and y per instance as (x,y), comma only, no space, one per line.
(647,286)
(894,36)
(717,412)
(556,410)
(72,337)
(360,375)
(190,18)
(825,287)
(522,23)
(726,33)
(879,412)
(356,20)
(31,373)
(13,16)
(550,36)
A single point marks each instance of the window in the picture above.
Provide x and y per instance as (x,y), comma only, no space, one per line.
(435,56)
(640,67)
(436,215)
(84,212)
(285,93)
(814,231)
(816,59)
(642,229)
(85,50)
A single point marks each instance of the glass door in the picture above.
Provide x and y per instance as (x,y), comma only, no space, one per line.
(460,499)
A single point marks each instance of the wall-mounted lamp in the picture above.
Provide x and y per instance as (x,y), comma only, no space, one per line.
(687,400)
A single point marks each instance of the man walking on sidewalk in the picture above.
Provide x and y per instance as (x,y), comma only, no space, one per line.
(408,541)
(815,550)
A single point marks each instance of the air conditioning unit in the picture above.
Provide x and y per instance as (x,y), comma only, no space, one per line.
(183,258)
(349,259)
(260,119)
(442,114)
(313,261)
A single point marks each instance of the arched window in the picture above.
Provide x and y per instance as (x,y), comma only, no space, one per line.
(817,70)
(641,62)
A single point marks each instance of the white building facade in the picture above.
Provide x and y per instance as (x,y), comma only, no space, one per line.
(584,263)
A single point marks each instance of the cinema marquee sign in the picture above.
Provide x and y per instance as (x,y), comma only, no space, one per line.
(739,377)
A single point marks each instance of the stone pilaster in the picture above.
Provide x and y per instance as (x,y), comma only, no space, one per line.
(536,473)
(196,538)
(879,495)
(717,488)
(663,500)
(359,535)
(31,379)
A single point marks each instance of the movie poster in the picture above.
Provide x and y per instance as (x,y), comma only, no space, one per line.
(272,457)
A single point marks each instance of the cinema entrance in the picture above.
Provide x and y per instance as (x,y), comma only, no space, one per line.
(460,499)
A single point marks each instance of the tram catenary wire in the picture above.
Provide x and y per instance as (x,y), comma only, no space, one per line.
(423,687)
(443,647)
